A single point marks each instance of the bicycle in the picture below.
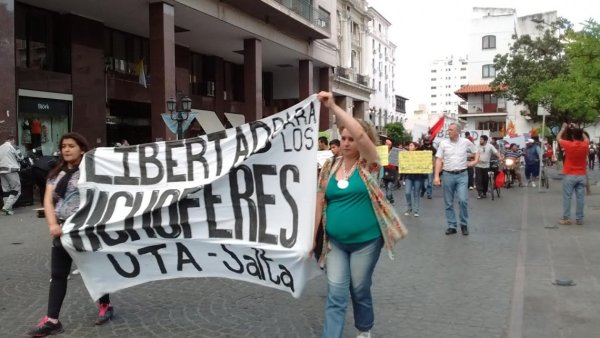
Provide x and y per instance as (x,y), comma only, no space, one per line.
(494,167)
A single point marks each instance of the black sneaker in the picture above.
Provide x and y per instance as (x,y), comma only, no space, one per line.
(46,328)
(465,230)
(450,231)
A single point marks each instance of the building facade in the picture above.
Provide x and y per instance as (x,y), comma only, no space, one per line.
(445,77)
(106,68)
(350,82)
(491,34)
(381,52)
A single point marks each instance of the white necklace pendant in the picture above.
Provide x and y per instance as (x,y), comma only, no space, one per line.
(342,184)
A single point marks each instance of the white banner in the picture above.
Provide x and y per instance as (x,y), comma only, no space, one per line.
(236,204)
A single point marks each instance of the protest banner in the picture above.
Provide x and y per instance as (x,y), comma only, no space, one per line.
(416,162)
(238,204)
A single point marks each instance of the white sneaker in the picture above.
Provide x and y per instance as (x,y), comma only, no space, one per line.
(407,212)
(75,272)
(533,184)
(364,335)
(416,214)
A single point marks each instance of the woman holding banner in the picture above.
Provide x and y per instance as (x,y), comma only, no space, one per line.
(358,222)
(61,200)
(412,189)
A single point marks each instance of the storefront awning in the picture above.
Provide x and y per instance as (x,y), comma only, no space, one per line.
(236,120)
(209,121)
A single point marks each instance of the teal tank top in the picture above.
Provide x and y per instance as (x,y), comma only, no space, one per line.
(350,215)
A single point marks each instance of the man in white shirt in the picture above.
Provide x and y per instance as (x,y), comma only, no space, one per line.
(9,175)
(451,158)
(483,166)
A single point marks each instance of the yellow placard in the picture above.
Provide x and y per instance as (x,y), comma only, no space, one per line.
(415,162)
(382,151)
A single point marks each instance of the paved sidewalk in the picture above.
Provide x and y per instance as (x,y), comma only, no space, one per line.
(497,282)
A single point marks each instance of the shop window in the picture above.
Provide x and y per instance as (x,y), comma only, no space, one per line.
(41,122)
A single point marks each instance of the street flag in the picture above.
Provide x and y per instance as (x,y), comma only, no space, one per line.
(238,204)
(141,73)
(435,129)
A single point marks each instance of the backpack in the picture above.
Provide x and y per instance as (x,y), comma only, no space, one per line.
(592,150)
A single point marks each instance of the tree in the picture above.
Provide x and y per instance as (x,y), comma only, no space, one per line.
(532,61)
(576,93)
(396,132)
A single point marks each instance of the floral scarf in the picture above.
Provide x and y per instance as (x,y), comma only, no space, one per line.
(392,228)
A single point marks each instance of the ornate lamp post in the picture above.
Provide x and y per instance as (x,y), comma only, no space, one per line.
(179,115)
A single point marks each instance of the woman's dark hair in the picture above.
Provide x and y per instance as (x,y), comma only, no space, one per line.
(61,165)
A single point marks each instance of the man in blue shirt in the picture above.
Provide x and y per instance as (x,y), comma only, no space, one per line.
(532,162)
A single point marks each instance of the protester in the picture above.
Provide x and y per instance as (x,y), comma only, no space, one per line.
(334,146)
(470,171)
(451,157)
(359,222)
(61,200)
(482,167)
(591,155)
(412,189)
(323,144)
(9,175)
(390,171)
(574,170)
(532,162)
(428,185)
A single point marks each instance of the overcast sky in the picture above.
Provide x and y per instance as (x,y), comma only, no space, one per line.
(427,30)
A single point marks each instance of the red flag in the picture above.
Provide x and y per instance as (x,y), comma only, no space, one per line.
(433,131)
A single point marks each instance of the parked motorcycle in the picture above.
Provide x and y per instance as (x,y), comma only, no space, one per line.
(509,169)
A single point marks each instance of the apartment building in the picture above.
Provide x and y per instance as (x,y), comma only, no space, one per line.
(350,81)
(446,76)
(106,68)
(491,34)
(381,52)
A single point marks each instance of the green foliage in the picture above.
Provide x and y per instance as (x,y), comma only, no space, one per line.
(396,132)
(576,94)
(530,62)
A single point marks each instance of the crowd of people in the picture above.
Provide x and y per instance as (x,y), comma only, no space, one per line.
(355,216)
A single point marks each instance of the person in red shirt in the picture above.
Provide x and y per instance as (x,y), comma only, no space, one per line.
(575,150)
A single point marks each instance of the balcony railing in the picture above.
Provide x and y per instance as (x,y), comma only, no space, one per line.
(305,9)
(351,75)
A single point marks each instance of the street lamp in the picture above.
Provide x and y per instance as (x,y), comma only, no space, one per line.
(179,115)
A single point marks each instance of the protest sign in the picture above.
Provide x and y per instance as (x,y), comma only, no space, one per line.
(322,156)
(238,204)
(382,152)
(416,162)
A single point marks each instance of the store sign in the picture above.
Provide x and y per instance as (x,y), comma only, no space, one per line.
(45,106)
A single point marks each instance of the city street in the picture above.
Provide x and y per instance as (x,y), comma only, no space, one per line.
(497,282)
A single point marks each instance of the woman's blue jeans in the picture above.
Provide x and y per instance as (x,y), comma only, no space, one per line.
(350,268)
(412,192)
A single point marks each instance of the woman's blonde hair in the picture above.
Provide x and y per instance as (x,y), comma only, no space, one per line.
(368,128)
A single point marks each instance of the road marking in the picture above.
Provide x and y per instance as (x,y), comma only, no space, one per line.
(515,329)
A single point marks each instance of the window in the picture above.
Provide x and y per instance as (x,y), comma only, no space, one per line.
(463,68)
(434,87)
(488,71)
(123,51)
(41,41)
(463,77)
(433,95)
(434,71)
(202,77)
(434,104)
(488,42)
(490,98)
(433,79)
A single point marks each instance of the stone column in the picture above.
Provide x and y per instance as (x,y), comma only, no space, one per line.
(162,65)
(325,85)
(8,91)
(305,77)
(253,95)
(87,79)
